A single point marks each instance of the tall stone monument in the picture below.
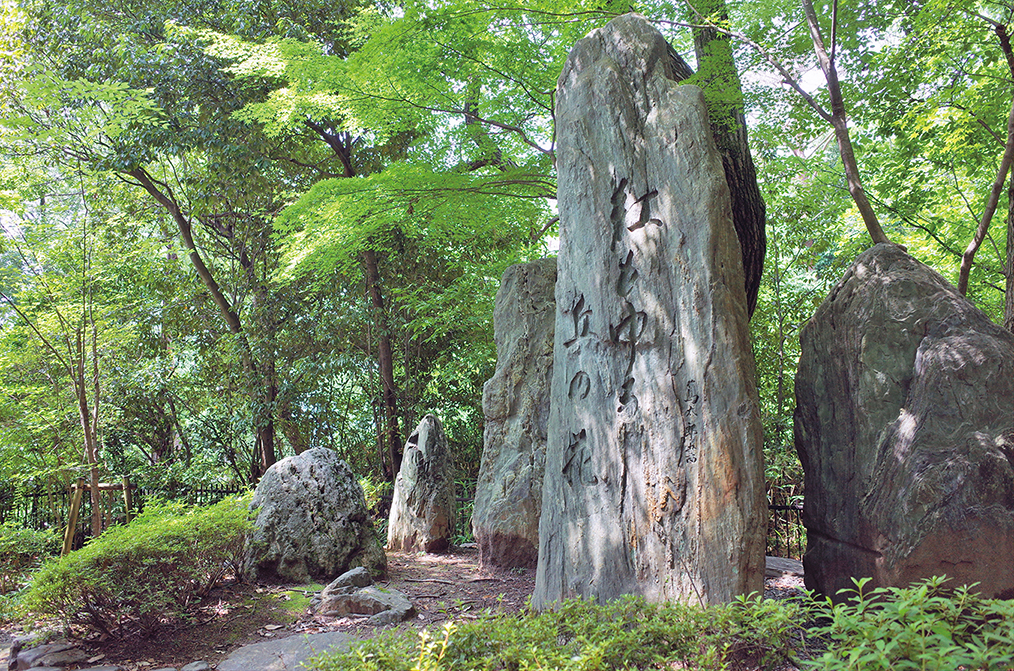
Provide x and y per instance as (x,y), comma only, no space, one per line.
(422,509)
(654,467)
(515,403)
(905,428)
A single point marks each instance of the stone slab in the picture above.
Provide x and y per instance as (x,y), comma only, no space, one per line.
(283,654)
(654,480)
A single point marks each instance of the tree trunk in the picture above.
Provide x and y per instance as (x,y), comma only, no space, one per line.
(841,131)
(385,361)
(1008,311)
(90,448)
(718,77)
(266,426)
(968,256)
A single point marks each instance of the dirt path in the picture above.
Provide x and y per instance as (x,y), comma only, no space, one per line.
(440,586)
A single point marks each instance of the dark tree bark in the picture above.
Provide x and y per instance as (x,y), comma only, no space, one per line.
(1008,311)
(718,77)
(385,361)
(968,256)
(265,394)
(266,426)
(839,122)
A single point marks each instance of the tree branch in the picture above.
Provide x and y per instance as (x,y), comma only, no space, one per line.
(1001,175)
(787,77)
(840,124)
(164,196)
(335,142)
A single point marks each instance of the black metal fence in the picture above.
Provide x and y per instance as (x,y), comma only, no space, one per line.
(49,509)
(786,535)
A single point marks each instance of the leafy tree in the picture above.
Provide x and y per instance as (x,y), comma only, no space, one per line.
(901,63)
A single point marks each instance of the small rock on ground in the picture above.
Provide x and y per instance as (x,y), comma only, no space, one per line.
(283,654)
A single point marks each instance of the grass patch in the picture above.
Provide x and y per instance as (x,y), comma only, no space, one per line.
(627,633)
(924,627)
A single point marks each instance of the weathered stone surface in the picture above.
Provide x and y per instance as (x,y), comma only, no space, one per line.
(515,403)
(349,582)
(905,428)
(654,476)
(50,655)
(284,654)
(776,567)
(387,606)
(354,592)
(422,510)
(312,521)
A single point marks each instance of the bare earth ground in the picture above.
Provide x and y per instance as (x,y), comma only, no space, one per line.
(449,586)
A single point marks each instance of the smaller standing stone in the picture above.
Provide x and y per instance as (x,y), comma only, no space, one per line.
(311,521)
(515,403)
(422,511)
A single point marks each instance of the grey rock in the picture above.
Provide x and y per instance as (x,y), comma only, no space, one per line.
(32,640)
(348,582)
(515,405)
(422,509)
(311,521)
(385,605)
(654,467)
(905,428)
(776,567)
(283,654)
(196,666)
(165,668)
(50,654)
(110,667)
(61,658)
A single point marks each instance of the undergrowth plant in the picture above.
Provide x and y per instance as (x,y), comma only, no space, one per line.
(137,576)
(627,633)
(925,627)
(21,551)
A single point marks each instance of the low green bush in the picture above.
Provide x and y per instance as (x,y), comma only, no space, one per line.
(924,627)
(627,633)
(137,576)
(20,551)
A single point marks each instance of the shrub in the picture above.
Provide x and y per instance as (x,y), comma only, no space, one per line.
(627,633)
(921,627)
(142,574)
(21,550)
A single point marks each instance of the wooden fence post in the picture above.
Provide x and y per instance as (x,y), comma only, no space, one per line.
(126,498)
(75,508)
